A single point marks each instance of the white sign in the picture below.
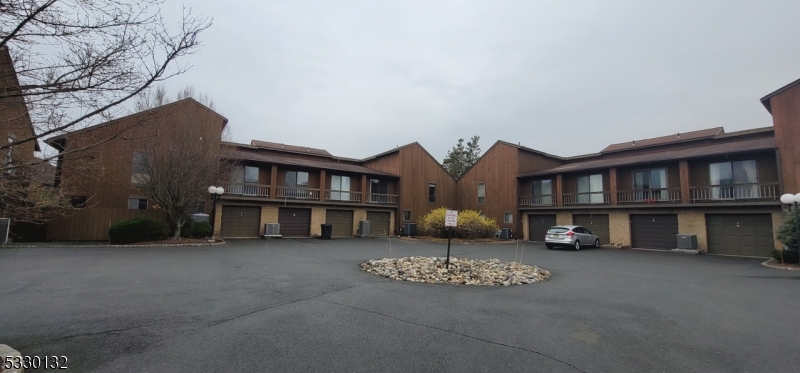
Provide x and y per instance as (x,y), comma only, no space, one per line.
(450,218)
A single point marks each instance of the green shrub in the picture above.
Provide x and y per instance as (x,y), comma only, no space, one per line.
(787,233)
(187,229)
(470,225)
(201,230)
(788,256)
(138,230)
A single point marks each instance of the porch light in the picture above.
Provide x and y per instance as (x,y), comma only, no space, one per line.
(215,192)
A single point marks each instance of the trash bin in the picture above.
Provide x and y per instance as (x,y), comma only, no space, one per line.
(327,229)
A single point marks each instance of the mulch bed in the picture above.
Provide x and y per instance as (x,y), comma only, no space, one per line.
(459,240)
(171,241)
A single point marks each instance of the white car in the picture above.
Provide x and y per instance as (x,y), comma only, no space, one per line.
(570,235)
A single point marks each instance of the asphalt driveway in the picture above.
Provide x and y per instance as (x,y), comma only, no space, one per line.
(304,305)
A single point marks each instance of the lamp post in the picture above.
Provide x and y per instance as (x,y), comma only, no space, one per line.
(215,193)
(793,199)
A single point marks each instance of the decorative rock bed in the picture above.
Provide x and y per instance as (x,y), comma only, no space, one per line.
(431,270)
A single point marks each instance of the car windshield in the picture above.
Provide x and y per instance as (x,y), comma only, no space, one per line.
(557,230)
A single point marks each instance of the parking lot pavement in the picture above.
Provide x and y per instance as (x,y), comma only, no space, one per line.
(304,305)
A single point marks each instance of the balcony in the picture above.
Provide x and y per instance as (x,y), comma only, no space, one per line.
(737,193)
(339,196)
(538,200)
(383,199)
(590,198)
(647,196)
(248,190)
(297,193)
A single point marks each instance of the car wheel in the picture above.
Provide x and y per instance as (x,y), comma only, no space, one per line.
(597,243)
(577,245)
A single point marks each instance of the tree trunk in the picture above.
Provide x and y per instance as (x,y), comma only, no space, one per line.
(178,224)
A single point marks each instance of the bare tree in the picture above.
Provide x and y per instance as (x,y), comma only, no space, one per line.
(74,64)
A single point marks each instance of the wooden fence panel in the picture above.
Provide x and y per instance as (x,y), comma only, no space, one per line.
(92,224)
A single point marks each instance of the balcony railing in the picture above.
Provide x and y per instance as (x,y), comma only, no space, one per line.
(538,200)
(384,199)
(297,193)
(591,198)
(738,192)
(339,196)
(660,195)
(247,190)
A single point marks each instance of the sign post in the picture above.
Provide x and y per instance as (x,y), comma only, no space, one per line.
(450,221)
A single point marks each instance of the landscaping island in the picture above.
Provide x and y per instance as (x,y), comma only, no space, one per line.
(463,271)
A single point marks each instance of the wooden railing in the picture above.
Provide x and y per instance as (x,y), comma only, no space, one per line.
(297,193)
(384,199)
(538,200)
(659,195)
(339,196)
(738,192)
(591,198)
(247,190)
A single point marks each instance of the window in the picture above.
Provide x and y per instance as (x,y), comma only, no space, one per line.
(378,190)
(406,215)
(139,174)
(77,201)
(296,181)
(431,192)
(197,208)
(542,192)
(137,203)
(734,180)
(650,185)
(481,192)
(508,217)
(590,189)
(10,155)
(340,188)
(251,175)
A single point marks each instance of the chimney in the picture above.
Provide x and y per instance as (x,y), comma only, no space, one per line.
(679,135)
(281,145)
(634,142)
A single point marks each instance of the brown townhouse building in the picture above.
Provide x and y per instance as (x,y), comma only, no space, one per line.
(722,187)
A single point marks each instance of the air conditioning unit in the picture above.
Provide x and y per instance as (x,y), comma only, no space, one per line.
(272,230)
(364,229)
(687,241)
(505,234)
(409,229)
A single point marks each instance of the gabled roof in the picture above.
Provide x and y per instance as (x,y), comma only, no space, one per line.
(765,143)
(663,140)
(5,59)
(530,150)
(51,140)
(289,148)
(301,162)
(765,99)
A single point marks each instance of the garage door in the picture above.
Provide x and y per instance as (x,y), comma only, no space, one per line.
(342,221)
(379,223)
(240,221)
(654,231)
(295,222)
(740,234)
(597,223)
(538,226)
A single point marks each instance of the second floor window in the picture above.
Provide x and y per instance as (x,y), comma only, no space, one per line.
(431,192)
(650,185)
(481,192)
(340,188)
(296,179)
(590,189)
(251,175)
(542,192)
(734,179)
(240,177)
(139,173)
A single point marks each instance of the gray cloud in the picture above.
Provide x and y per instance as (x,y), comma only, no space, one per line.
(358,78)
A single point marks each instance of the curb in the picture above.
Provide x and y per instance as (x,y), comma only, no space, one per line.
(114,246)
(6,351)
(771,263)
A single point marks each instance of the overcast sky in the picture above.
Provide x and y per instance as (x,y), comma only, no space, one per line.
(360,77)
